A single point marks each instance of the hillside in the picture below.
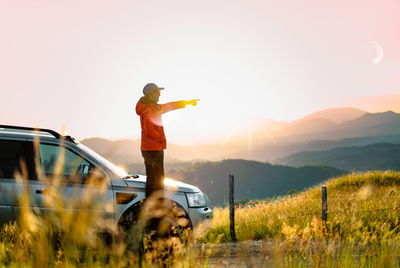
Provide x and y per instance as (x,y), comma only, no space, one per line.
(310,125)
(361,228)
(348,195)
(316,122)
(369,124)
(325,125)
(373,119)
(336,115)
(366,129)
(253,180)
(379,156)
(270,151)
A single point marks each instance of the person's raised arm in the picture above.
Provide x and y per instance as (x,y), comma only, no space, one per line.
(170,106)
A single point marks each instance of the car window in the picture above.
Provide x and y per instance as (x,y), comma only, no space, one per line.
(12,153)
(9,158)
(73,168)
(116,170)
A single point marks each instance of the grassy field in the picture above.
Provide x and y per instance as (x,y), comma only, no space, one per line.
(362,230)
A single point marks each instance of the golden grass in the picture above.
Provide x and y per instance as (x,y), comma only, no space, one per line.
(358,201)
(362,227)
(361,231)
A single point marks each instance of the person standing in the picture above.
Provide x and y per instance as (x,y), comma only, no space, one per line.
(153,141)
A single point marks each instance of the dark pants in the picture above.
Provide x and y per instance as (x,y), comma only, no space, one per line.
(154,162)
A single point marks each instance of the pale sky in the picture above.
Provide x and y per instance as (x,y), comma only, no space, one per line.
(83,64)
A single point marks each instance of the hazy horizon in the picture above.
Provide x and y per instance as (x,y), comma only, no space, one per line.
(247,125)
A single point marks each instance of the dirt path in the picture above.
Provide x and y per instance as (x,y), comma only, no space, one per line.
(241,254)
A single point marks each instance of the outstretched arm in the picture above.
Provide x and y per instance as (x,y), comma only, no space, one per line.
(170,106)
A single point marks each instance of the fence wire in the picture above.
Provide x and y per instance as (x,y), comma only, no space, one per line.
(340,212)
(330,212)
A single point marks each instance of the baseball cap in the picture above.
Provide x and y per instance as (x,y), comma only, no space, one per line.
(150,87)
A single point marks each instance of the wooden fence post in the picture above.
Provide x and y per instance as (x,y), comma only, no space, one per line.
(232,208)
(324,204)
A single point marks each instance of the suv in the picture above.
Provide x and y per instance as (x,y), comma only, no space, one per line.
(40,149)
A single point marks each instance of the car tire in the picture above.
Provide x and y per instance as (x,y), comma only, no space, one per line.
(156,236)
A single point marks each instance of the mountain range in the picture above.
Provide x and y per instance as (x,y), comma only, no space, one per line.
(323,130)
(378,156)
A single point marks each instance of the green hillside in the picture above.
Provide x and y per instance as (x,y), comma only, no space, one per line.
(362,229)
(379,156)
(253,180)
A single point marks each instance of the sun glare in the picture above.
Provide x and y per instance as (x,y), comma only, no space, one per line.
(252,131)
(170,182)
(122,168)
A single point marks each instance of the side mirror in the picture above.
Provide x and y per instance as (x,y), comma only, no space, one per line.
(85,171)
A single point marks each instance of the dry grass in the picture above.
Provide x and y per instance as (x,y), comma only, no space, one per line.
(361,231)
(362,227)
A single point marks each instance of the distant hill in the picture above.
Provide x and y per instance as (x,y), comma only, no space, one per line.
(310,134)
(310,125)
(370,124)
(320,121)
(253,180)
(379,156)
(336,115)
(373,119)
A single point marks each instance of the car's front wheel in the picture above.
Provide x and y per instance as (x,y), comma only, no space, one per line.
(158,230)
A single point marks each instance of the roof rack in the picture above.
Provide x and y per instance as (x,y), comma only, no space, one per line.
(52,132)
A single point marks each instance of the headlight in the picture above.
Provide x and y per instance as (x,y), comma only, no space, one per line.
(196,200)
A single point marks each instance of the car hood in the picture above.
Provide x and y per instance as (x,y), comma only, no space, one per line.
(170,184)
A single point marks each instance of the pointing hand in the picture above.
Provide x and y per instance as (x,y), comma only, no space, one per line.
(193,102)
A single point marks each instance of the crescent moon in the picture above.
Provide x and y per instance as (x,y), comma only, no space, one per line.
(379,52)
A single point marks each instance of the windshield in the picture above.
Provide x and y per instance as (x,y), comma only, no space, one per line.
(117,170)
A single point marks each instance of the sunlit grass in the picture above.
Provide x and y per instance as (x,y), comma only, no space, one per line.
(362,227)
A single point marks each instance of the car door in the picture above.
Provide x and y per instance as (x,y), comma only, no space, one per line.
(74,178)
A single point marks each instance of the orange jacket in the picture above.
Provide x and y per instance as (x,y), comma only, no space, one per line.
(153,136)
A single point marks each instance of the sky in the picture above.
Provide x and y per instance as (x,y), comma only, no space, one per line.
(82,65)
